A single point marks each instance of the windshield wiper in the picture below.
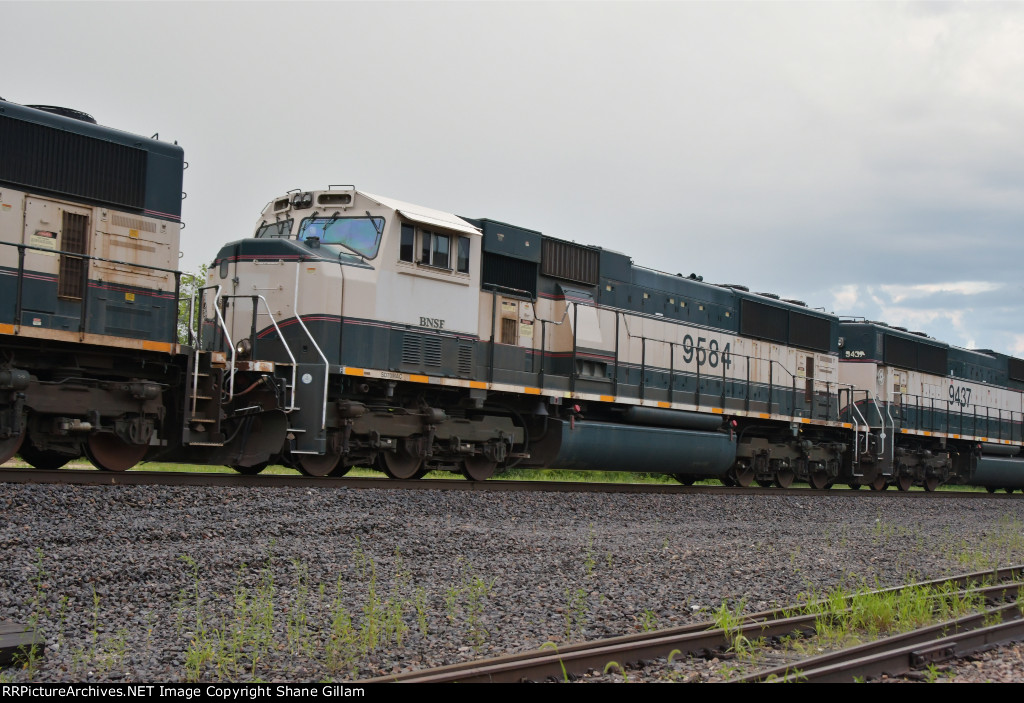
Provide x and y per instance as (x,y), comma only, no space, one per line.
(373,221)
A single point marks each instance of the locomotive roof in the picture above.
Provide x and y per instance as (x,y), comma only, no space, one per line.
(98,131)
(424,215)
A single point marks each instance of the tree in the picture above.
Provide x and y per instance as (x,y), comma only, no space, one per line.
(189,286)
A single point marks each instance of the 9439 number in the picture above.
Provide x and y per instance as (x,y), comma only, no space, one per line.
(706,351)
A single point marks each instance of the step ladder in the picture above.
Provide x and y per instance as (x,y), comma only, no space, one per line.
(202,416)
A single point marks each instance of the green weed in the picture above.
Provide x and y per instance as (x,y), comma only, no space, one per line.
(575,613)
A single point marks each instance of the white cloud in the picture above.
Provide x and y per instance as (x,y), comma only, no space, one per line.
(1017,345)
(898,293)
(845,297)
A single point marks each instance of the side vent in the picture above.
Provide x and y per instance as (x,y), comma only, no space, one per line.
(133,223)
(510,273)
(91,168)
(508,331)
(572,262)
(432,351)
(74,239)
(412,350)
(1016,369)
(465,360)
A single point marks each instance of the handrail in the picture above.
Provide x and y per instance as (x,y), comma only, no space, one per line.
(227,336)
(22,248)
(772,363)
(881,419)
(863,420)
(892,440)
(913,401)
(291,404)
(79,255)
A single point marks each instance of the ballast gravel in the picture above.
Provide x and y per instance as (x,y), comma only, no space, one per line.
(166,584)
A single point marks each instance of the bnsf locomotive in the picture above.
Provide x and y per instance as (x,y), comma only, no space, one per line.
(410,338)
(89,233)
(354,329)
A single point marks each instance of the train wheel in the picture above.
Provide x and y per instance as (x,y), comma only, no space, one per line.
(318,465)
(931,483)
(683,479)
(879,483)
(251,470)
(818,480)
(743,476)
(401,464)
(477,468)
(855,486)
(1008,489)
(904,483)
(784,478)
(991,489)
(41,459)
(10,446)
(44,460)
(109,452)
(340,470)
(764,482)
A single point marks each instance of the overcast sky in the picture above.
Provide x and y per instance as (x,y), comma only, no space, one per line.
(867,158)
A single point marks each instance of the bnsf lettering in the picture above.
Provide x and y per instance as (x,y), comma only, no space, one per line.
(434,322)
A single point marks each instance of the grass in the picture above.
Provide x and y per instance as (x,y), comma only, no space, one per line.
(550,475)
(846,618)
(362,472)
(274,611)
(321,626)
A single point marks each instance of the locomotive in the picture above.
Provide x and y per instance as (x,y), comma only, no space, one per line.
(417,339)
(89,238)
(355,329)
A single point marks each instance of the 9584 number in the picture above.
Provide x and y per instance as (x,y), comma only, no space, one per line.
(707,352)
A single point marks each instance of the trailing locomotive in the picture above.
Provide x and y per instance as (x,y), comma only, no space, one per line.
(353,329)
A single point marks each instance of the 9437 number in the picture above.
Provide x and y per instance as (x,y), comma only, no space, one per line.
(959,395)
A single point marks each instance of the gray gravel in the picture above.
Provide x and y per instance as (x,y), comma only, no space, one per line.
(231,584)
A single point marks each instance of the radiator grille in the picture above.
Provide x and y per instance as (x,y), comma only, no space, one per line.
(412,350)
(74,236)
(465,360)
(432,351)
(51,159)
(133,223)
(570,261)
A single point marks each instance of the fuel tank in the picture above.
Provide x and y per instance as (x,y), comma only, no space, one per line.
(607,446)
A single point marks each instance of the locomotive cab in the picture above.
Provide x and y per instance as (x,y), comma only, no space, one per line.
(336,282)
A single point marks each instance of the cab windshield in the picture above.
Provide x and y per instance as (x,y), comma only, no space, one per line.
(276,230)
(358,234)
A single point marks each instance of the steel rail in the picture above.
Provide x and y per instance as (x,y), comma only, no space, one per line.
(575,660)
(140,476)
(901,654)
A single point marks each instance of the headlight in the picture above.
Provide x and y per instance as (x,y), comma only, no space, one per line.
(243,349)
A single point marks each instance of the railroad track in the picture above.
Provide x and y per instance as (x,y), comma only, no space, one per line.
(894,655)
(139,477)
(899,655)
